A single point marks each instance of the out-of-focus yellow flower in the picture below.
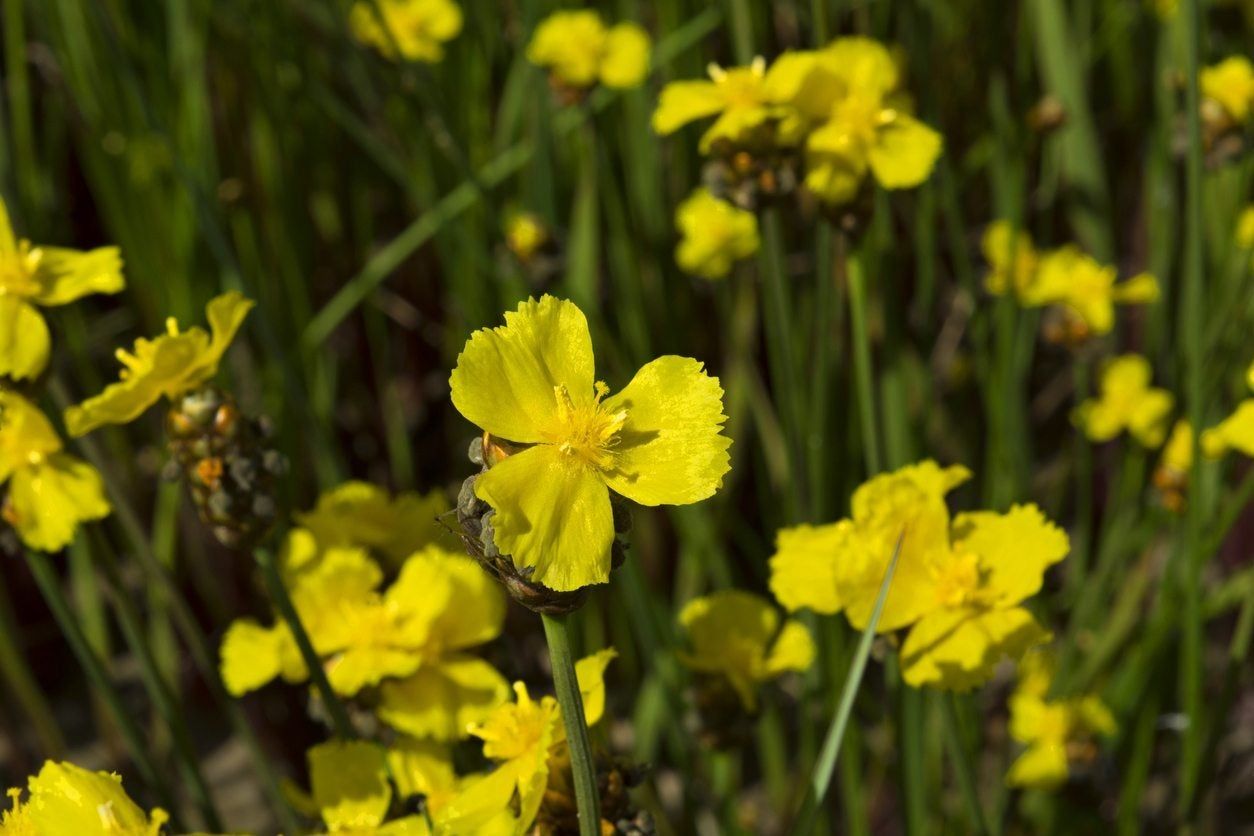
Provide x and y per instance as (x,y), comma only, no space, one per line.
(365,515)
(45,276)
(525,234)
(525,738)
(1236,432)
(417,28)
(737,635)
(1229,85)
(995,562)
(410,641)
(715,234)
(169,365)
(579,50)
(67,799)
(657,442)
(1012,260)
(840,566)
(1069,277)
(351,793)
(1127,402)
(741,99)
(423,767)
(1164,9)
(958,587)
(1055,733)
(50,491)
(1171,477)
(852,90)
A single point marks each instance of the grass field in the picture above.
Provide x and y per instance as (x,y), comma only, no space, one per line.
(1016,238)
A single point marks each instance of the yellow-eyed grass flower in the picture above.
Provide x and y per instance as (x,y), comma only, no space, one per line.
(580,51)
(50,492)
(417,28)
(532,383)
(43,276)
(715,235)
(1128,403)
(169,365)
(1058,735)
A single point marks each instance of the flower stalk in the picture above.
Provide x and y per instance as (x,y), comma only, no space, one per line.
(582,765)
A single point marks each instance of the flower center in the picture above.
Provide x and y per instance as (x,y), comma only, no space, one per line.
(741,87)
(588,430)
(958,580)
(18,269)
(861,116)
(514,730)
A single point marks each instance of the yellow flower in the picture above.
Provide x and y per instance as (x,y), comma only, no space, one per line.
(423,767)
(418,28)
(50,491)
(657,442)
(840,566)
(410,641)
(364,515)
(995,562)
(525,738)
(1236,432)
(1171,477)
(67,799)
(1009,269)
(172,364)
(853,87)
(45,276)
(715,234)
(737,635)
(351,793)
(525,234)
(1055,733)
(740,97)
(1245,229)
(1069,277)
(1127,402)
(578,49)
(1230,85)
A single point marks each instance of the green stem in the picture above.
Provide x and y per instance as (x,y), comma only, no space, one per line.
(50,586)
(821,777)
(862,366)
(582,766)
(1189,558)
(962,766)
(1077,568)
(20,682)
(159,691)
(780,328)
(317,673)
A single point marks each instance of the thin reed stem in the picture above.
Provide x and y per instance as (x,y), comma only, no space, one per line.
(582,766)
(963,767)
(317,673)
(862,366)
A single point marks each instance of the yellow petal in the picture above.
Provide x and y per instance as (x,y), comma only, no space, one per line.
(471,612)
(957,649)
(24,339)
(482,802)
(1141,288)
(904,153)
(803,568)
(67,799)
(361,514)
(443,699)
(626,60)
(805,81)
(570,44)
(47,502)
(835,178)
(8,239)
(364,666)
(682,102)
(26,435)
(552,515)
(349,780)
(1043,766)
(252,655)
(715,234)
(1014,549)
(793,649)
(590,674)
(671,450)
(505,378)
(1010,256)
(863,64)
(1230,83)
(1236,432)
(67,275)
(422,767)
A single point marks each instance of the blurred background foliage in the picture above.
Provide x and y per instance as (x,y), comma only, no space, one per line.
(237,144)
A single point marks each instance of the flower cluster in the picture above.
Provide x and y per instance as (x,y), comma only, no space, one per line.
(1085,290)
(959,583)
(416,30)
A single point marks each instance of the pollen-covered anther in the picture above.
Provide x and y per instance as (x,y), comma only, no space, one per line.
(587,430)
